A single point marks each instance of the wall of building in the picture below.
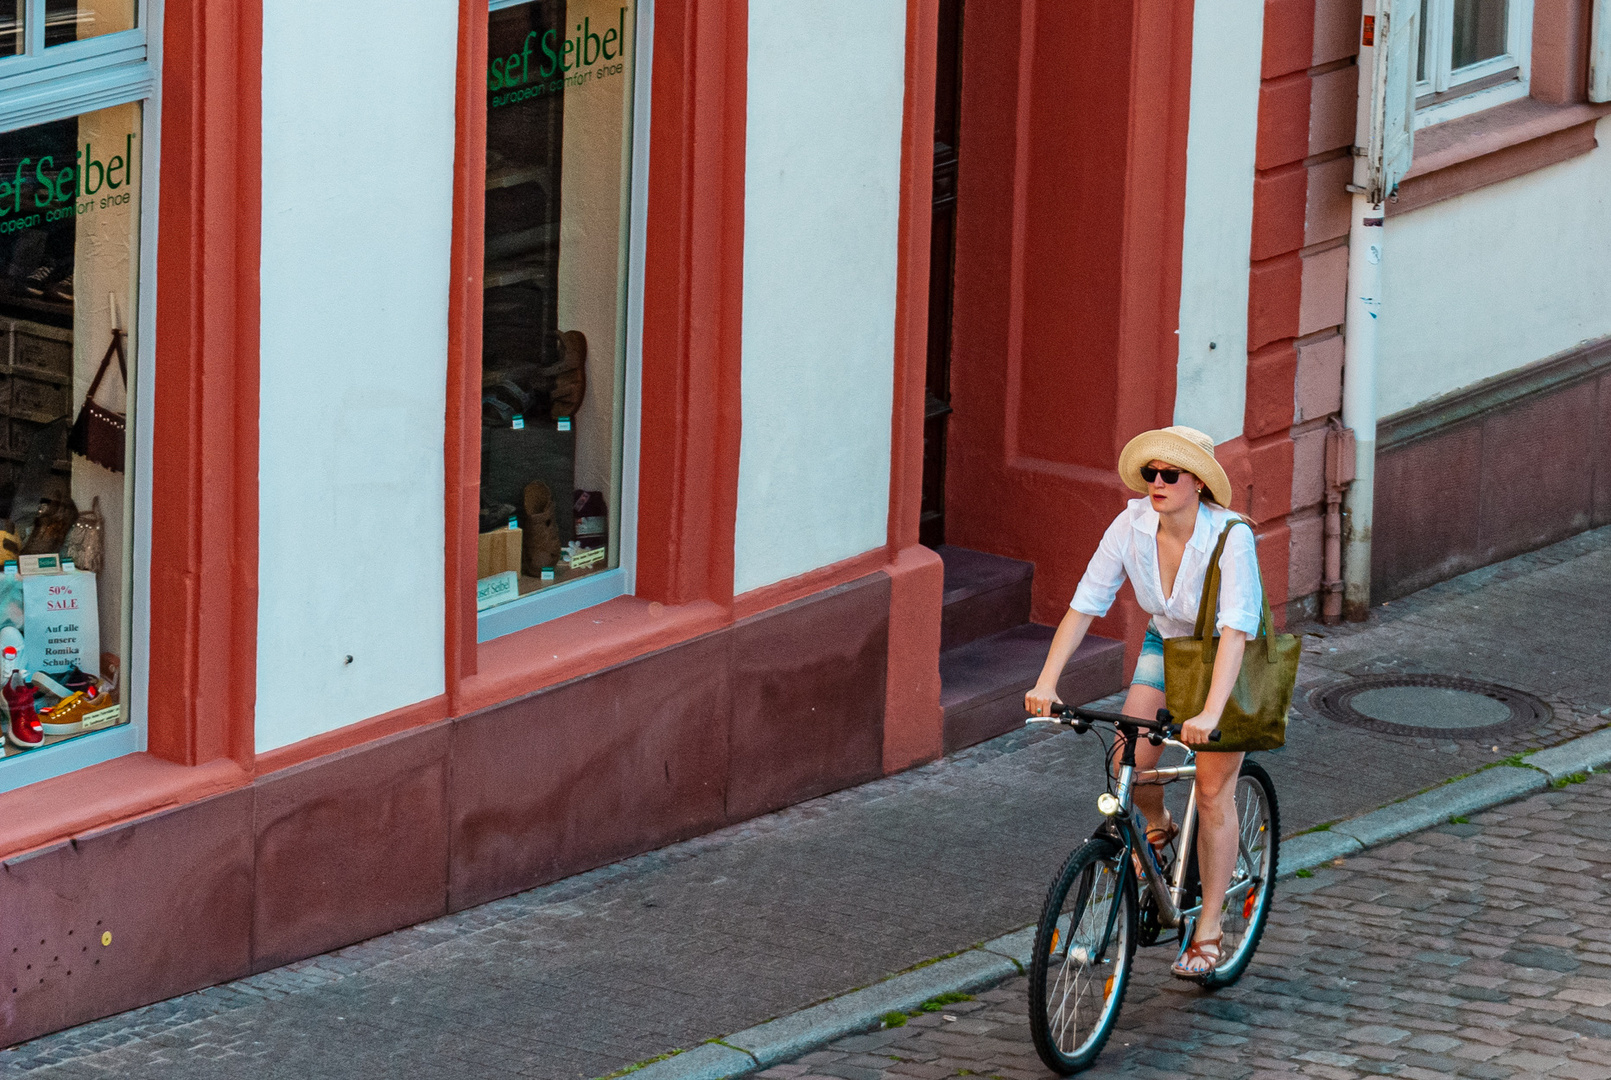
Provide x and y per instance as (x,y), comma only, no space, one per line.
(1296,288)
(821,207)
(1211,384)
(356,223)
(1495,279)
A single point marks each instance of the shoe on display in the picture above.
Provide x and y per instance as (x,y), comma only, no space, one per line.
(38,279)
(569,373)
(539,538)
(25,731)
(77,680)
(27,253)
(10,651)
(61,291)
(78,712)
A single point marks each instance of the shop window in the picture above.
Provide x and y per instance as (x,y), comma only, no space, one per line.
(554,332)
(1470,55)
(72,161)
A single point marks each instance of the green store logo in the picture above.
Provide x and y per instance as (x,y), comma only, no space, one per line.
(58,189)
(587,48)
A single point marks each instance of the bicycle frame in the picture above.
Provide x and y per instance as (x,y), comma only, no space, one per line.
(1127,820)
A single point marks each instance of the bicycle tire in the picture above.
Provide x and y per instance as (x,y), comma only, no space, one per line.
(1243,921)
(1072,947)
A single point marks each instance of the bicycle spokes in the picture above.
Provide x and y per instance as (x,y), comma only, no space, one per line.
(1081,979)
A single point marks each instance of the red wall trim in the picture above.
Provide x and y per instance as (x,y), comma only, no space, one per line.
(812,581)
(203,638)
(462,447)
(1511,140)
(912,276)
(419,714)
(53,810)
(693,303)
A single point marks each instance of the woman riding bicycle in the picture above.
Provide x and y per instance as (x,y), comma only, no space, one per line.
(1163,544)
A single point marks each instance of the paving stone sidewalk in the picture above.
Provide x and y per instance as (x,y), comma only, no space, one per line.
(1478,950)
(589,975)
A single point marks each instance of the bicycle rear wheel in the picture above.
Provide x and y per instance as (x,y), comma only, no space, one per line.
(1084,946)
(1258,846)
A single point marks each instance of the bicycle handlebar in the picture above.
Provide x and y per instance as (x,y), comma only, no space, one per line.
(1081,719)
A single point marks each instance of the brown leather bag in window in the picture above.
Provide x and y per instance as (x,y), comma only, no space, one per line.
(98,433)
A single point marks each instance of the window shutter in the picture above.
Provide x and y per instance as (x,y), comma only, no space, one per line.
(1600,53)
(1392,107)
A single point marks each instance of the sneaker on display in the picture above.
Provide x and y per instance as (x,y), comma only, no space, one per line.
(25,731)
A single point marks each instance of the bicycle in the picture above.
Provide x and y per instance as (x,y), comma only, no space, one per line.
(1084,949)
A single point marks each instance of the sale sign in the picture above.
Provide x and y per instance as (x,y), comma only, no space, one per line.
(61,623)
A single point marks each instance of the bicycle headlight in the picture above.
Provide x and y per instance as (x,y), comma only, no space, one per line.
(1106,803)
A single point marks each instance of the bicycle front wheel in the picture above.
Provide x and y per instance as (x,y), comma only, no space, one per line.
(1258,844)
(1084,946)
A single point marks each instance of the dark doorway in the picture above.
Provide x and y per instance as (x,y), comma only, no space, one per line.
(942,266)
(941,271)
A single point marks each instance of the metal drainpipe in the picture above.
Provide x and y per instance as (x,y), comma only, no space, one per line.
(1359,394)
(1339,474)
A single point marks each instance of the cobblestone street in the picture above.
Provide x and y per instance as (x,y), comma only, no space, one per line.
(1479,949)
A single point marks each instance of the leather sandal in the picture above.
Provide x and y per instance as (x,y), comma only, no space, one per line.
(1183,967)
(1159,836)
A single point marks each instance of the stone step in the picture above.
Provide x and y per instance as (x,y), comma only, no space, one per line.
(982,683)
(984,594)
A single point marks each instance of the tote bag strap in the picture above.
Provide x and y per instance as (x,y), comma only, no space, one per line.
(115,348)
(1208,606)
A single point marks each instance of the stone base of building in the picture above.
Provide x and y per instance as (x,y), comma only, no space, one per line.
(1506,466)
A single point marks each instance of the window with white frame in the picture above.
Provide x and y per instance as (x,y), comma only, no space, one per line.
(1471,52)
(75,79)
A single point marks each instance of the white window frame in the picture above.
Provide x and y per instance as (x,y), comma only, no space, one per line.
(1439,96)
(37,87)
(573,596)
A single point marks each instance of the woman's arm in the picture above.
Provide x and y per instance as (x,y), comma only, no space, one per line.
(1227,666)
(1070,632)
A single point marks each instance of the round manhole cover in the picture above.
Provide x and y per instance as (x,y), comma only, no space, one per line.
(1436,706)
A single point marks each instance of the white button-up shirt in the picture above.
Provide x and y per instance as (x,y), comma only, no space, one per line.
(1130,549)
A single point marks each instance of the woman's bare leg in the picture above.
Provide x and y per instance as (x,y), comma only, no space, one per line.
(1216,834)
(1143,702)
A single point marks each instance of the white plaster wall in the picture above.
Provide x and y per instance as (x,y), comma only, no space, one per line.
(821,217)
(1226,52)
(358,102)
(1481,284)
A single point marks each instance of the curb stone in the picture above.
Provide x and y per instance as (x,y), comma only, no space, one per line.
(1580,755)
(775,1041)
(1478,791)
(765,1045)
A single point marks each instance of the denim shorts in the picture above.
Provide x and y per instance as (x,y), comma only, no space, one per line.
(1150,668)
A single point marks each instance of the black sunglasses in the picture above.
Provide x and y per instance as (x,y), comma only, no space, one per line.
(1170,476)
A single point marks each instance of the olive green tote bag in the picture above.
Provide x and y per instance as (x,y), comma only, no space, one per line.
(1255,716)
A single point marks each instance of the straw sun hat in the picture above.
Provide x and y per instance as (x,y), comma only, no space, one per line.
(1184,447)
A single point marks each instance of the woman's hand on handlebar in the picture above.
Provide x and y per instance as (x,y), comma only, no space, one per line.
(1197,730)
(1039,701)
